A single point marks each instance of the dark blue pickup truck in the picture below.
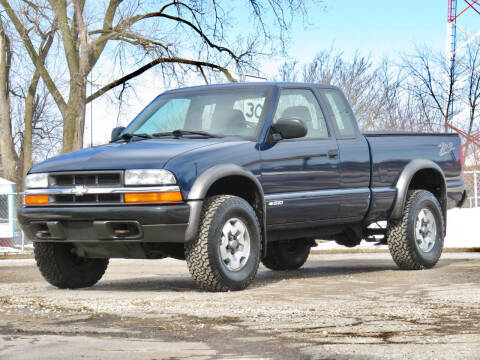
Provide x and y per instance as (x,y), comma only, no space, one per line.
(226,176)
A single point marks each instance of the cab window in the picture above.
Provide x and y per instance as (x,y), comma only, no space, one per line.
(302,104)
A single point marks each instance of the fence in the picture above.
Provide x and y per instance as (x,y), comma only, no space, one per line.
(472,184)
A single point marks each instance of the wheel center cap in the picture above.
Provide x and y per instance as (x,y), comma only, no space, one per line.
(234,243)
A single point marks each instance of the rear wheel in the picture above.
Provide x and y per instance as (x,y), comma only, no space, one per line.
(287,254)
(226,252)
(62,267)
(416,241)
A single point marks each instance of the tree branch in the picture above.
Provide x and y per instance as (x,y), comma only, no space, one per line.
(198,31)
(97,45)
(130,21)
(173,60)
(131,38)
(60,9)
(57,96)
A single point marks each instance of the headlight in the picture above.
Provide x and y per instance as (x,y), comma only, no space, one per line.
(36,181)
(149,177)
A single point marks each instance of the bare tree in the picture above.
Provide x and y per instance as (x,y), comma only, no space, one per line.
(9,156)
(355,76)
(288,71)
(19,132)
(200,27)
(378,98)
(471,88)
(431,78)
(399,109)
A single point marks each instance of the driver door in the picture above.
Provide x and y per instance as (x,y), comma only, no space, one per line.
(300,176)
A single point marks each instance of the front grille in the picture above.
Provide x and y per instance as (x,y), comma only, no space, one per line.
(86,179)
(86,199)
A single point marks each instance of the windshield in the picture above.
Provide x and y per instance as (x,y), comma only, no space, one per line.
(226,112)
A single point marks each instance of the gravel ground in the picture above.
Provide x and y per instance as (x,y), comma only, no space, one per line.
(340,306)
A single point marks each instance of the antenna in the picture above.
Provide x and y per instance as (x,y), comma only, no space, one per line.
(91,110)
(251,78)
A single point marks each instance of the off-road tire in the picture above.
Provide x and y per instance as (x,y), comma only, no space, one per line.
(401,234)
(287,254)
(203,253)
(61,267)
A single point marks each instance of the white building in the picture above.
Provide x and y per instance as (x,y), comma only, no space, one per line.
(7,215)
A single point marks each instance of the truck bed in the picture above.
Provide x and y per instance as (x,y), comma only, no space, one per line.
(389,156)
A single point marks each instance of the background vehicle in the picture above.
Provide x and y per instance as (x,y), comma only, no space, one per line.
(226,176)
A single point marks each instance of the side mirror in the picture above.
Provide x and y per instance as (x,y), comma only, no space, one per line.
(290,128)
(115,132)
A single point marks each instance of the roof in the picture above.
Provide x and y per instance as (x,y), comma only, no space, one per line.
(246,85)
(6,182)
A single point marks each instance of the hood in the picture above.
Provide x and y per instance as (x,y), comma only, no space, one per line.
(144,154)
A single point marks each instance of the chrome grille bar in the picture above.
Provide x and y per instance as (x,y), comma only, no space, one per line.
(101,190)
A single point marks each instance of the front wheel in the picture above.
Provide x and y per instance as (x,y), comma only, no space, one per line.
(62,267)
(226,252)
(416,241)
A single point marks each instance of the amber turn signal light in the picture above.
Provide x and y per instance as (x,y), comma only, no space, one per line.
(36,199)
(154,197)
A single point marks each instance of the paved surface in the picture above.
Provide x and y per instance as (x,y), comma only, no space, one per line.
(343,306)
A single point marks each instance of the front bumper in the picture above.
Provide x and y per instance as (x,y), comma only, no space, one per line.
(144,223)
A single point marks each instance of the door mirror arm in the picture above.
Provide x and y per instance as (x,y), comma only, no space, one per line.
(275,136)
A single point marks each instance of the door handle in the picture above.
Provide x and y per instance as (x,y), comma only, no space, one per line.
(333,153)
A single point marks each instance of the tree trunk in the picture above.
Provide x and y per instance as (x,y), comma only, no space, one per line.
(28,120)
(74,117)
(9,157)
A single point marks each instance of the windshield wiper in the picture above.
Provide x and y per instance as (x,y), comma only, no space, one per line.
(129,136)
(180,133)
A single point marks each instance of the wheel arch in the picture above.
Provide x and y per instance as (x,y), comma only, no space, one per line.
(215,181)
(419,174)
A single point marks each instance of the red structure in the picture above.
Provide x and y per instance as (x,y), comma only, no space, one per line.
(452,9)
(469,139)
(457,8)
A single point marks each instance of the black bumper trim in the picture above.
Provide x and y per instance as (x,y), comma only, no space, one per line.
(167,223)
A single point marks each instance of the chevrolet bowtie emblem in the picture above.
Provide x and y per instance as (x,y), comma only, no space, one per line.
(79,190)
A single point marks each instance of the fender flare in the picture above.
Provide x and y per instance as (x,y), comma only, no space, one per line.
(405,179)
(206,179)
(200,189)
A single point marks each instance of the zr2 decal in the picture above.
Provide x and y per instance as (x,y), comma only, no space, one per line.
(445,148)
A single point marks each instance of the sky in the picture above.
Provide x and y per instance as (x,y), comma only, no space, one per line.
(373,26)
(378,28)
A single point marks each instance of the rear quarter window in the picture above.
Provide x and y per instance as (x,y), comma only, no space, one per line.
(340,112)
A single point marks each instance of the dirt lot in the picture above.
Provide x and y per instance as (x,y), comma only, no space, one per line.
(343,306)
